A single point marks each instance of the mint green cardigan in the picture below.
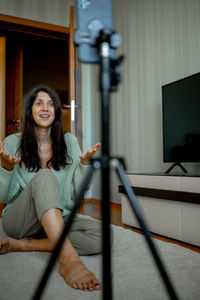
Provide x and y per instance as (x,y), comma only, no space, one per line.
(69,178)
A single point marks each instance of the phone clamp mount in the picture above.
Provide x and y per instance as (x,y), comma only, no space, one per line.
(98,37)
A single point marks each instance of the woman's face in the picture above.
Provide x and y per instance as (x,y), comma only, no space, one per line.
(43,110)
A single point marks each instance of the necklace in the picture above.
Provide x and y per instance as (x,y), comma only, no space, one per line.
(41,147)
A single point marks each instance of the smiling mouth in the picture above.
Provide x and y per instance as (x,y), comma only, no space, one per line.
(44,116)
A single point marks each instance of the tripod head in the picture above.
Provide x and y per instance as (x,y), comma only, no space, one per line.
(93,31)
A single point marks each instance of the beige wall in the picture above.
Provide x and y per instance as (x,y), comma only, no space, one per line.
(49,11)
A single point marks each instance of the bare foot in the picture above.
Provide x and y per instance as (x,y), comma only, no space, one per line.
(72,269)
(78,276)
(8,244)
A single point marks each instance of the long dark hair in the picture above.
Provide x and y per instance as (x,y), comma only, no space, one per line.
(28,146)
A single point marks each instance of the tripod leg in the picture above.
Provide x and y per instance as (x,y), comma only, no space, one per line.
(136,210)
(107,278)
(66,229)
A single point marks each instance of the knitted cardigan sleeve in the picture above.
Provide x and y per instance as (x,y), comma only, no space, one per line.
(79,170)
(8,185)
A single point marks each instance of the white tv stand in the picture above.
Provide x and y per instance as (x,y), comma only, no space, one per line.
(169,203)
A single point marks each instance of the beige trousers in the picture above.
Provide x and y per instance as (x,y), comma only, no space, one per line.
(22,219)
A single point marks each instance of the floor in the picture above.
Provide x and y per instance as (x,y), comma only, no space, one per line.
(92,207)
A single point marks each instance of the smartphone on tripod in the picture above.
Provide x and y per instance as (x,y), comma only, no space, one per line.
(92,16)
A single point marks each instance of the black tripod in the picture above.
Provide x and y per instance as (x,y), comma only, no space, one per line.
(109,78)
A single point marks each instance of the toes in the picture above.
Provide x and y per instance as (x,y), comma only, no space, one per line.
(3,246)
(79,285)
(3,250)
(97,286)
(85,286)
(90,286)
(74,285)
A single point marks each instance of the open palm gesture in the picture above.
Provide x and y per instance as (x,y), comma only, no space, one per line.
(7,161)
(85,158)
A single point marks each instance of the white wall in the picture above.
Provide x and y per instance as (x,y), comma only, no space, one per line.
(49,11)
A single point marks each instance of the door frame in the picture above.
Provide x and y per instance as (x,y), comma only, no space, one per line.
(10,23)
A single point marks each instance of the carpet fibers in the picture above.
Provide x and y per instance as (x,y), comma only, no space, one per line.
(134,274)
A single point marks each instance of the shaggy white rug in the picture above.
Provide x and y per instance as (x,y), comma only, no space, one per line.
(135,275)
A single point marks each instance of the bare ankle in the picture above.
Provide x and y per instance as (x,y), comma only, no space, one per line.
(68,254)
(66,258)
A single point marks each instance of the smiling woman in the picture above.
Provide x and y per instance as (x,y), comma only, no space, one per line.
(41,171)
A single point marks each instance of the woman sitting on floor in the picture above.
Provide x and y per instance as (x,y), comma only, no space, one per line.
(40,172)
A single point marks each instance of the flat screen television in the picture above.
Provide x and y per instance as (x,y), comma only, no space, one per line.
(181,120)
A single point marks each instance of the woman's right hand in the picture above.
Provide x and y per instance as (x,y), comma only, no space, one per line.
(7,161)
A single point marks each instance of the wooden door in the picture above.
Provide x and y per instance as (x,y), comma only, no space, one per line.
(2,85)
(14,88)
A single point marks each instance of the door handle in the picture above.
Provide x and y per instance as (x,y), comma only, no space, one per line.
(66,106)
(73,107)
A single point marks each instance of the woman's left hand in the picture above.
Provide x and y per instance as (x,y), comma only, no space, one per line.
(85,158)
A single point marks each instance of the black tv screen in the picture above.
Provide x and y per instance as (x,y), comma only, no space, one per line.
(181,120)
